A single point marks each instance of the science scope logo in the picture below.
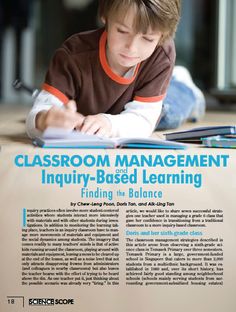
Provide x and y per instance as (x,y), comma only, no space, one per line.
(50,301)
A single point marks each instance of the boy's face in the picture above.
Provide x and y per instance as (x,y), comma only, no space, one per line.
(125,48)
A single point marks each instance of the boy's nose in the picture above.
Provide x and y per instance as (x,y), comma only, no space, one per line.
(131,45)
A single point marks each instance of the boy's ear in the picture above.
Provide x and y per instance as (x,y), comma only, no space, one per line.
(103,20)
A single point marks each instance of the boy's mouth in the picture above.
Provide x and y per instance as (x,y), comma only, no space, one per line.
(129,58)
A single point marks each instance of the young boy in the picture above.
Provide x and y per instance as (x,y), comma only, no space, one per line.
(111,81)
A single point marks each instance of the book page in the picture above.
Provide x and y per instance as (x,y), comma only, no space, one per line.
(114,230)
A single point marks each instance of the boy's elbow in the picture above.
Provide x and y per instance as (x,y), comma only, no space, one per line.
(31,129)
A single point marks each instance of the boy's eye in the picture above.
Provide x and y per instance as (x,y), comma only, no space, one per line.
(121,31)
(148,39)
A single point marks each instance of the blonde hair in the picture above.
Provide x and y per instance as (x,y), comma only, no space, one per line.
(159,15)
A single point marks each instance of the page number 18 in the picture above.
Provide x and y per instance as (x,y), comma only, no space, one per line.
(11,301)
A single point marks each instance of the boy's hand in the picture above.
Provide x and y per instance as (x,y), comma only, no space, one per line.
(66,117)
(96,124)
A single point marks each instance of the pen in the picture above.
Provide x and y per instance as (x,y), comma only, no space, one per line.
(19,85)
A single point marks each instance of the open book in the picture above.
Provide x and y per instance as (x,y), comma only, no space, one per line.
(61,138)
(195,134)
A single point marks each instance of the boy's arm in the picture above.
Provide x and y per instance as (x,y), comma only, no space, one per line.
(48,110)
(42,103)
(137,120)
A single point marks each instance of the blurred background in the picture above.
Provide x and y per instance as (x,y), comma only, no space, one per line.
(31,30)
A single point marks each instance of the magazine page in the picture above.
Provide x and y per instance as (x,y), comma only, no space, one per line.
(106,229)
(117,230)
